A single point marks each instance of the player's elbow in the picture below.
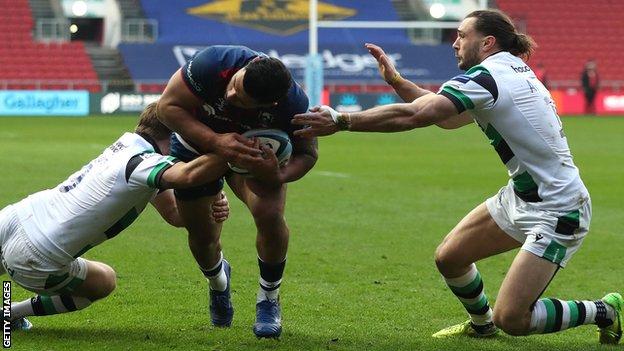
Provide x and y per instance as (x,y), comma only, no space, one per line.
(163,109)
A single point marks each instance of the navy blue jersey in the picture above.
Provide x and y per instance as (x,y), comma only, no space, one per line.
(207,75)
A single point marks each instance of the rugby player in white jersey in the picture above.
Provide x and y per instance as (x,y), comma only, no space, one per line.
(545,208)
(43,236)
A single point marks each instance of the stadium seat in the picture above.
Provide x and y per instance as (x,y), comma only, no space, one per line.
(49,63)
(569,33)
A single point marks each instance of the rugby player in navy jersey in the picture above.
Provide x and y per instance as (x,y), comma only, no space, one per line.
(220,93)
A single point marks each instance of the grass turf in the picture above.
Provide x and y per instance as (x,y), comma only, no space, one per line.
(364,225)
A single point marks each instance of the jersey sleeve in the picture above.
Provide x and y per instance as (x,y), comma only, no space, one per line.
(476,89)
(297,102)
(146,169)
(199,70)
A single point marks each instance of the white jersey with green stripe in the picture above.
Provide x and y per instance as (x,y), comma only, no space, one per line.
(95,203)
(518,115)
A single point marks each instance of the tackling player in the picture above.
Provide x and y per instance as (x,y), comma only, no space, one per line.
(221,92)
(43,236)
(545,208)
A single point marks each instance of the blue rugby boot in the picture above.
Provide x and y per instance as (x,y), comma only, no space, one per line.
(268,319)
(21,324)
(221,310)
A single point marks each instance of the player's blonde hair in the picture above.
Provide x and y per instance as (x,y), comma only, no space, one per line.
(151,125)
(500,26)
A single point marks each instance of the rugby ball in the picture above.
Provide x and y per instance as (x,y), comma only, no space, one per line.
(275,139)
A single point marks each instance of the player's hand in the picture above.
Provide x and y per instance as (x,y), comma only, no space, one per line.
(265,169)
(319,122)
(386,68)
(235,148)
(221,208)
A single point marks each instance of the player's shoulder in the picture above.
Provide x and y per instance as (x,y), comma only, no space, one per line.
(226,55)
(296,99)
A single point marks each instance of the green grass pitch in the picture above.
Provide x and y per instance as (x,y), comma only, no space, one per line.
(364,226)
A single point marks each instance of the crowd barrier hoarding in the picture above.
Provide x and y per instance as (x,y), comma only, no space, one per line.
(568,102)
(44,103)
(117,103)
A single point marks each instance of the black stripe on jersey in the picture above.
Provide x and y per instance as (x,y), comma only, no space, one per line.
(133,163)
(567,225)
(530,195)
(504,151)
(462,78)
(488,83)
(458,104)
(160,173)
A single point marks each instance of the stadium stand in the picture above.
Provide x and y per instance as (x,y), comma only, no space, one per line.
(27,64)
(569,32)
(187,26)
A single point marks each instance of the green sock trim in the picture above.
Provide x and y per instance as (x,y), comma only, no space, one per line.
(550,315)
(48,305)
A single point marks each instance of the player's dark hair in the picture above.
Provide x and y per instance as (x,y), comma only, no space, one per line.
(150,125)
(501,27)
(266,80)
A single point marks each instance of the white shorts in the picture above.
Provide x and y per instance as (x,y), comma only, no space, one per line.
(554,236)
(31,269)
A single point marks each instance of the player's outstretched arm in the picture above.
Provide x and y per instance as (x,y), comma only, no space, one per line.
(201,170)
(407,90)
(424,111)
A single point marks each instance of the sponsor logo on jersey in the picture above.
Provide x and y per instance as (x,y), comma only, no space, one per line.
(521,69)
(189,74)
(283,17)
(265,119)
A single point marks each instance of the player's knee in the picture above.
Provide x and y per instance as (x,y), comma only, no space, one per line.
(444,259)
(512,322)
(107,282)
(270,215)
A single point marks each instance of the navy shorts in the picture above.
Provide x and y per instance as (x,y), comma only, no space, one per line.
(177,150)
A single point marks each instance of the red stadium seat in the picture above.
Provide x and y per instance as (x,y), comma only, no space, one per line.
(569,32)
(23,58)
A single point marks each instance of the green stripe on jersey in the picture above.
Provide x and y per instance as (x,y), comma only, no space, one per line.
(151,179)
(459,95)
(477,68)
(524,182)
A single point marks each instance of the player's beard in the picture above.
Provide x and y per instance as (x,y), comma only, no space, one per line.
(470,57)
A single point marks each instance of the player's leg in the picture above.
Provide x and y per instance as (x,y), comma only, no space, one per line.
(69,289)
(550,244)
(194,206)
(205,244)
(267,208)
(475,237)
(519,312)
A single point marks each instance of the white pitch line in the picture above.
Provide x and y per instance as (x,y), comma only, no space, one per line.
(332,174)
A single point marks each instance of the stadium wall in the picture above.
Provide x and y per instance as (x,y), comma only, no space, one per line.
(83,103)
